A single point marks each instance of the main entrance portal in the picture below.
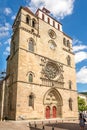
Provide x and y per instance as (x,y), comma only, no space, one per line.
(53,104)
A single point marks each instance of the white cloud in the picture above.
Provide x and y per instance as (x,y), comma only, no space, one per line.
(6,27)
(7,51)
(79,48)
(81,75)
(4,30)
(3,34)
(13,17)
(8,41)
(80,56)
(78,45)
(76,41)
(7,11)
(59,8)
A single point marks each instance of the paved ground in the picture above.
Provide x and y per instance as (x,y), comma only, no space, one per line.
(24,125)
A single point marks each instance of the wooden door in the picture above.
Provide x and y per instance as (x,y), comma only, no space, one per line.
(54,112)
(47,112)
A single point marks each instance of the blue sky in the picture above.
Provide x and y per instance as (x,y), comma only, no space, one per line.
(71,13)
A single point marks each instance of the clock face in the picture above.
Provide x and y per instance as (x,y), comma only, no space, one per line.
(52,34)
(51,70)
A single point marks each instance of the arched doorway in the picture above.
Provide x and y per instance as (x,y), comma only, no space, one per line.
(47,112)
(54,112)
(53,104)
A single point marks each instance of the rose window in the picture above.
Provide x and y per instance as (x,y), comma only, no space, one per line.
(51,70)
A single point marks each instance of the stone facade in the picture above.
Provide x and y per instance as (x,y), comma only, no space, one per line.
(40,69)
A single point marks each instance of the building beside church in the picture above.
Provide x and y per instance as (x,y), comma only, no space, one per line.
(40,69)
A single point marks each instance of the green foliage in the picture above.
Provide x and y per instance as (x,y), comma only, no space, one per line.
(82,104)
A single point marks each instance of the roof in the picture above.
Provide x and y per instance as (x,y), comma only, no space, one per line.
(46,10)
(28,10)
(47,15)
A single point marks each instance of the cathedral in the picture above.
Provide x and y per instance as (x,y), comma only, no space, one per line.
(40,69)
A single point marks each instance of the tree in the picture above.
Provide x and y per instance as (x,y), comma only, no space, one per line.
(82,104)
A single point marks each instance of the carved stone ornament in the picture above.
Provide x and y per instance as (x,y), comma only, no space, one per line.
(52,71)
(52,34)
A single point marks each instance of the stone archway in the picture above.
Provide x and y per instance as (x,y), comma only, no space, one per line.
(53,104)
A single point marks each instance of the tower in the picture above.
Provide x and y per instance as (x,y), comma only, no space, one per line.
(40,69)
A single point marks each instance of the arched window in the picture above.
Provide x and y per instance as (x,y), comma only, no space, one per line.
(53,23)
(30,78)
(31,100)
(69,60)
(28,19)
(58,27)
(70,104)
(68,43)
(70,84)
(31,45)
(64,41)
(42,16)
(33,23)
(49,20)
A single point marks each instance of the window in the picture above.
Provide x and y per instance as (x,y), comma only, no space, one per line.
(34,23)
(30,78)
(48,20)
(68,60)
(31,100)
(51,70)
(53,23)
(58,27)
(68,43)
(28,19)
(64,41)
(42,16)
(70,84)
(31,45)
(70,104)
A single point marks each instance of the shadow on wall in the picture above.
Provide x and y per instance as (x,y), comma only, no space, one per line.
(58,126)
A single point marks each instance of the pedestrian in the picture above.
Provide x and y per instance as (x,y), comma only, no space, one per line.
(82,121)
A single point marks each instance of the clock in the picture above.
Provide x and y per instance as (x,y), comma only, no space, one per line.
(52,34)
(52,44)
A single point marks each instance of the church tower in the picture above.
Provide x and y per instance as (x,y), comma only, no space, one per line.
(40,69)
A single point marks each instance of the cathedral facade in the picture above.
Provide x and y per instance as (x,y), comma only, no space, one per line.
(40,69)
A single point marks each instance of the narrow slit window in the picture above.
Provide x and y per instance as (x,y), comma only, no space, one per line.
(31,45)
